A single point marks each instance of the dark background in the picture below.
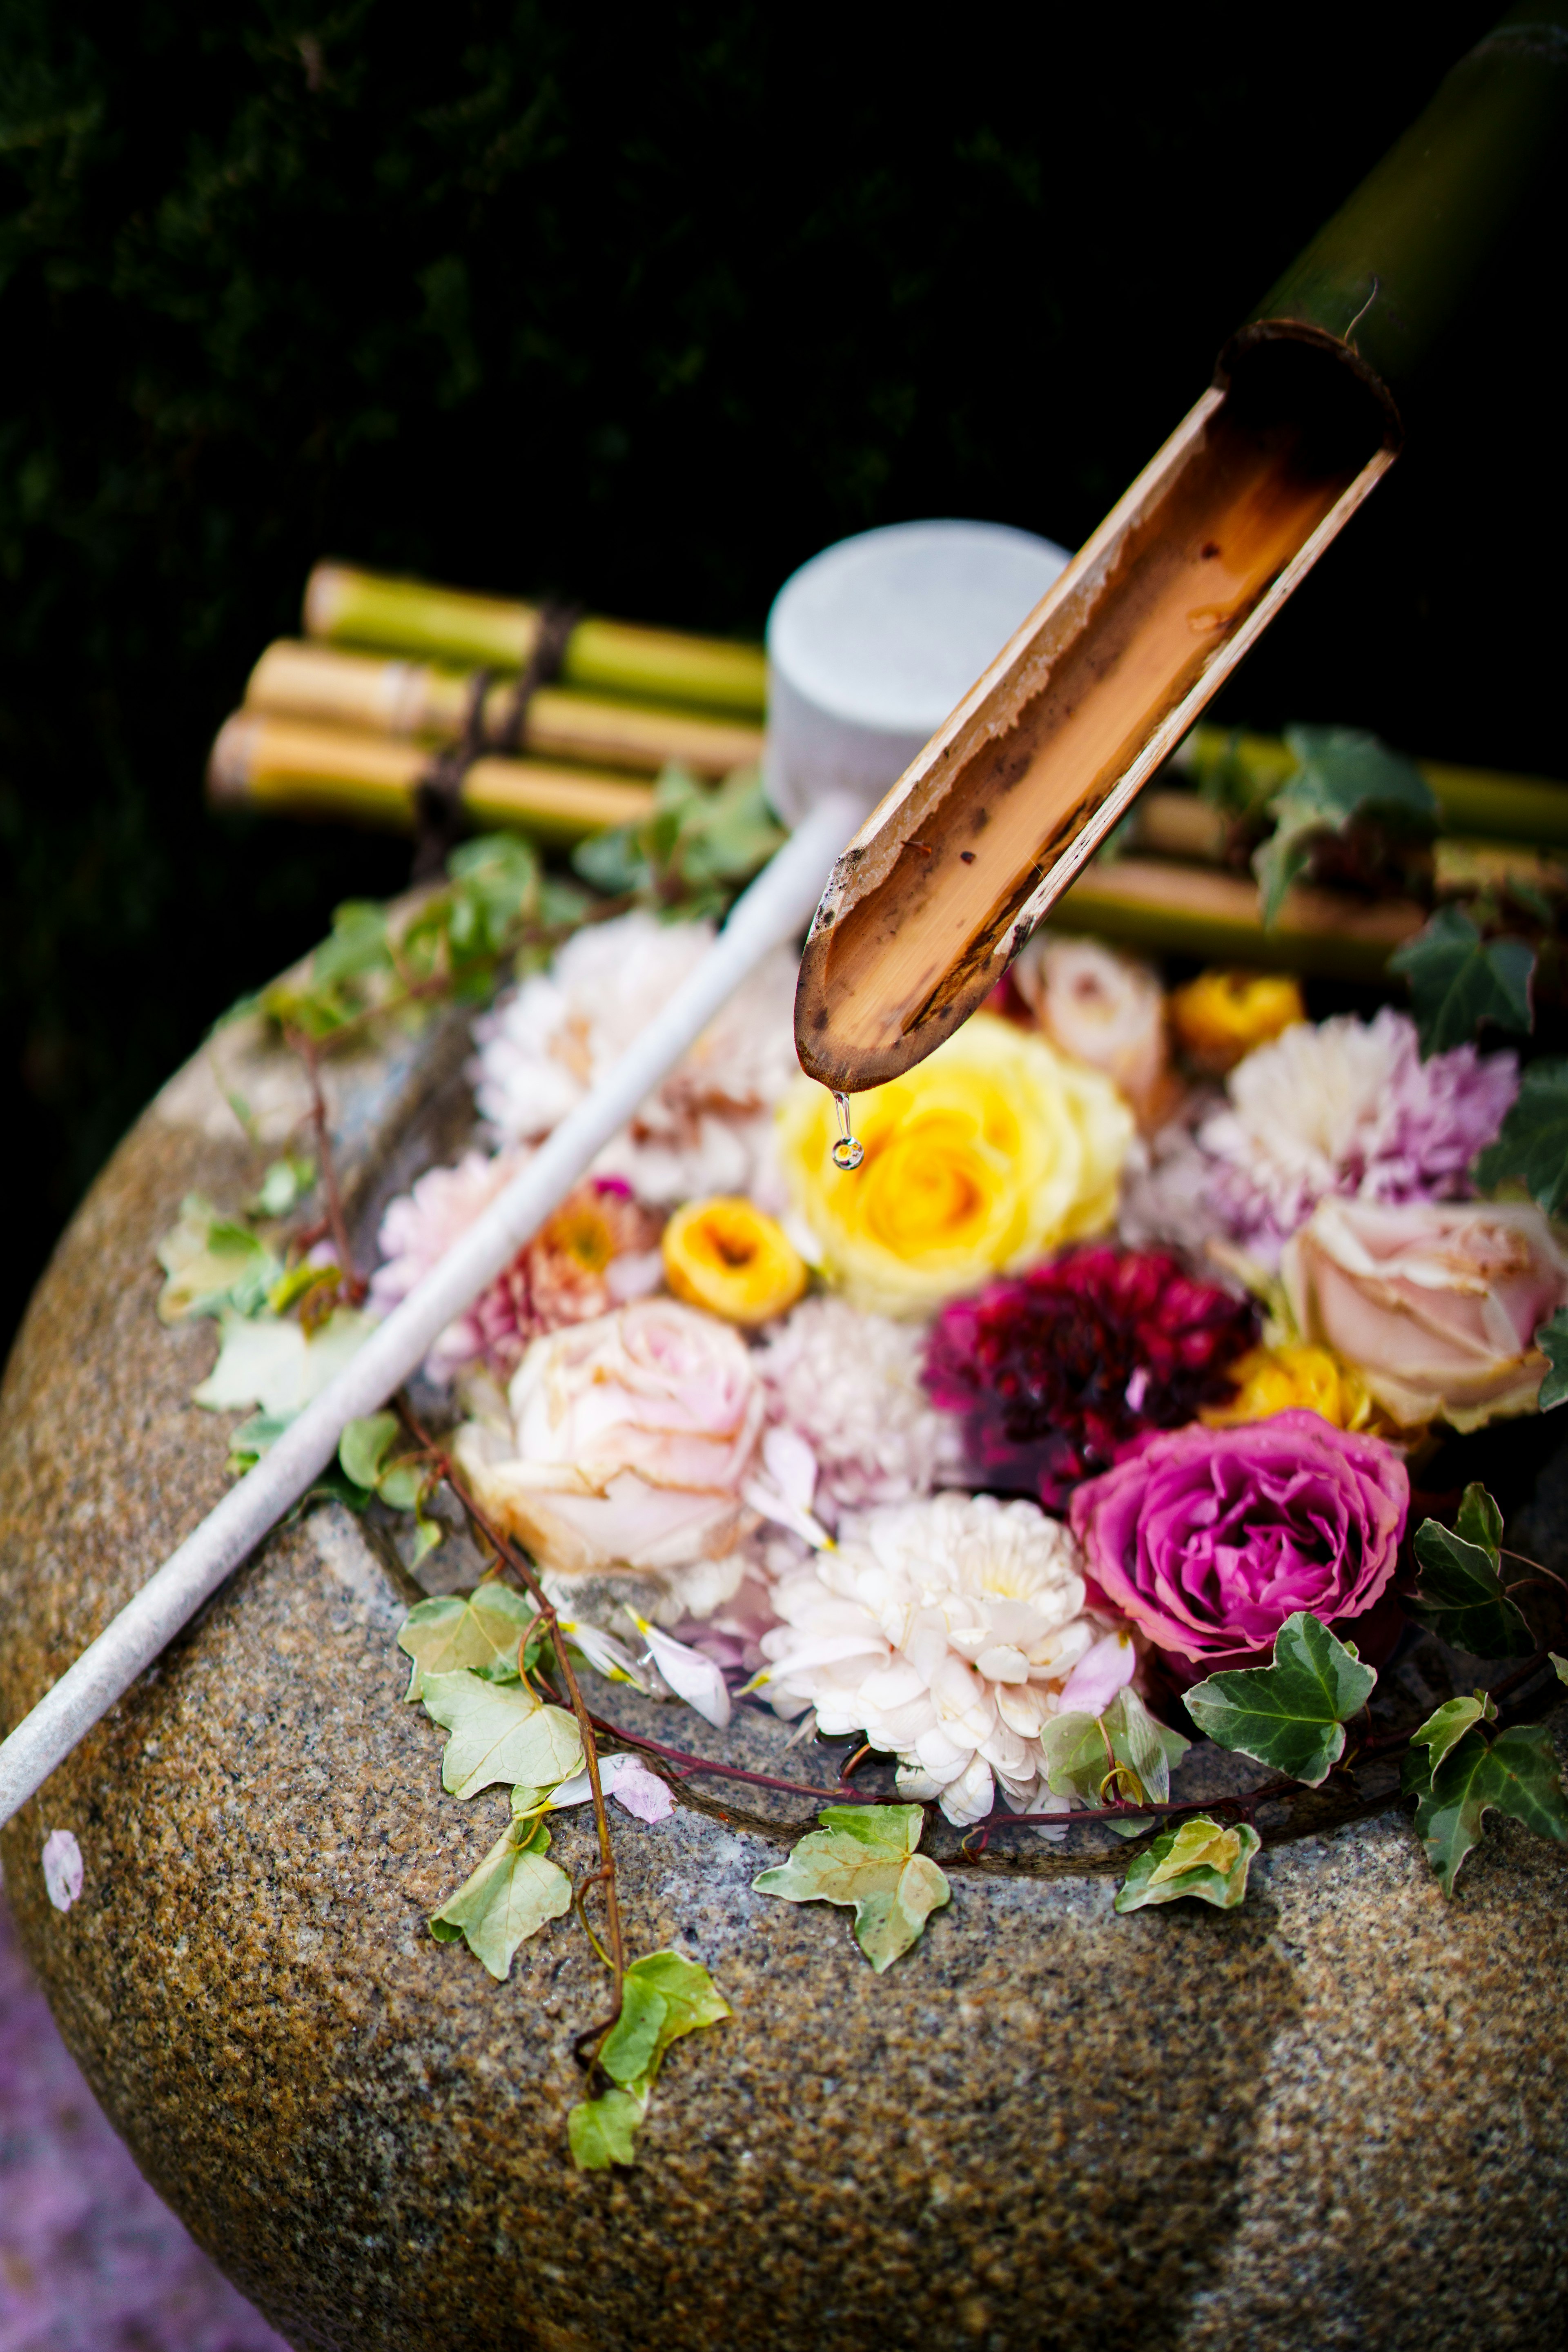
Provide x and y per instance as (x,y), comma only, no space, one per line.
(642,308)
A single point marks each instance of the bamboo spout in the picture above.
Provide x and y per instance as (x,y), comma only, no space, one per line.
(990,825)
(945,881)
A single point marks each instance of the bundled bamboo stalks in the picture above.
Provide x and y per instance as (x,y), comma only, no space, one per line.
(1157,903)
(328,730)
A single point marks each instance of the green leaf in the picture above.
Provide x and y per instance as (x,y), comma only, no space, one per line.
(865,1855)
(1077,1766)
(254,1438)
(1532,1144)
(1443,1729)
(1458,980)
(1559,1666)
(600,2132)
(663,1997)
(272,1362)
(1552,1341)
(1517,1774)
(211,1264)
(499,1732)
(508,1898)
(285,1182)
(362,1449)
(1200,1858)
(614,862)
(482,1630)
(1460,1596)
(1342,774)
(1289,1715)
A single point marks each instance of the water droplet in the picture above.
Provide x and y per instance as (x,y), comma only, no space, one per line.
(847,1153)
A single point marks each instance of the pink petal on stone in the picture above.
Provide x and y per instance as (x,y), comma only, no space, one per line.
(62,1868)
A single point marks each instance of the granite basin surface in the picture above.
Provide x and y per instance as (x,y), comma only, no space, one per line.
(1335,2117)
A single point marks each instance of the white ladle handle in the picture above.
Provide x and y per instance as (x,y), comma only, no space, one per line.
(778,903)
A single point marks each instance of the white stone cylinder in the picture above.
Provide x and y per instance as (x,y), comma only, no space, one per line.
(872,643)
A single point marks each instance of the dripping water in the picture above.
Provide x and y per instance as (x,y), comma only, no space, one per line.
(848,1151)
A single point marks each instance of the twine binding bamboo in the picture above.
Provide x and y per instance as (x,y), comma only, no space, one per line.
(438,796)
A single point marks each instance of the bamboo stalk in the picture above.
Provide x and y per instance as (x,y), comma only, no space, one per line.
(1483,801)
(1160,905)
(283,765)
(346,606)
(420,701)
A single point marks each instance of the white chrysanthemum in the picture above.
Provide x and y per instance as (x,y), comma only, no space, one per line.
(849,1384)
(708,1128)
(945,1630)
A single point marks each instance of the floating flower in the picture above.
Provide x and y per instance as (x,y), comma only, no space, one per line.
(1435,1305)
(993,1149)
(944,1630)
(1278,1380)
(1209,1538)
(849,1384)
(731,1257)
(1103,1009)
(1220,1016)
(707,1127)
(1348,1108)
(626,1444)
(598,1251)
(1057,1369)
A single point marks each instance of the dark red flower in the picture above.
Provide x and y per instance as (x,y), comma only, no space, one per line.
(1057,1369)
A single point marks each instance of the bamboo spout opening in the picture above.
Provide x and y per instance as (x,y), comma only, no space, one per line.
(984,829)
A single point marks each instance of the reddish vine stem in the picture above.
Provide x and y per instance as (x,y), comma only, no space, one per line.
(599,2033)
(353,1282)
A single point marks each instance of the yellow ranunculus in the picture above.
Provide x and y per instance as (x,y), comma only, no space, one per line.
(1273,1380)
(727,1256)
(993,1150)
(1222,1015)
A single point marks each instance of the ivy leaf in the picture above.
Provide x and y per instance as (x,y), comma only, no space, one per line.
(285,1182)
(362,1449)
(1200,1857)
(1458,980)
(1517,1774)
(482,1630)
(1460,1596)
(1289,1715)
(269,1361)
(865,1855)
(508,1898)
(1077,1764)
(1443,1729)
(662,1998)
(1559,1666)
(499,1732)
(1552,1341)
(1532,1143)
(211,1264)
(1342,774)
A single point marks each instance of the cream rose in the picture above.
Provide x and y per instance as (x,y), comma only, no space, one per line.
(993,1150)
(627,1443)
(1102,1008)
(1437,1304)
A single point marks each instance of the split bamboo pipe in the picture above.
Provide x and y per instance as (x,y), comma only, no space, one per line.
(346,606)
(1002,809)
(419,701)
(290,767)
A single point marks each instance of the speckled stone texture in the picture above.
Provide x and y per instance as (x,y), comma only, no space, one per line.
(1334,2118)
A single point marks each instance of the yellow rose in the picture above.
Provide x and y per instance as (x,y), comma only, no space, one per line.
(993,1150)
(1273,1380)
(1222,1015)
(727,1256)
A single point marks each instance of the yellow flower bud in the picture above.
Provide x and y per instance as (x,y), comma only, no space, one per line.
(727,1256)
(1222,1015)
(1273,1380)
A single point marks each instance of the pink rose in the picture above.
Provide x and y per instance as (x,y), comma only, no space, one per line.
(1436,1304)
(1209,1538)
(628,1441)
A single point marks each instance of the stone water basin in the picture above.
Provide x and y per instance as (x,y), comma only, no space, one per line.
(1334,2117)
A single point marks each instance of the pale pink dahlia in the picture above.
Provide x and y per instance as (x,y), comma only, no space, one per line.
(849,1384)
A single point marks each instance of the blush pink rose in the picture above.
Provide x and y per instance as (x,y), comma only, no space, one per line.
(1209,1538)
(1437,1304)
(629,1439)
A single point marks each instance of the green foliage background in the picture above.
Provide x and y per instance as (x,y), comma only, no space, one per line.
(644,307)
